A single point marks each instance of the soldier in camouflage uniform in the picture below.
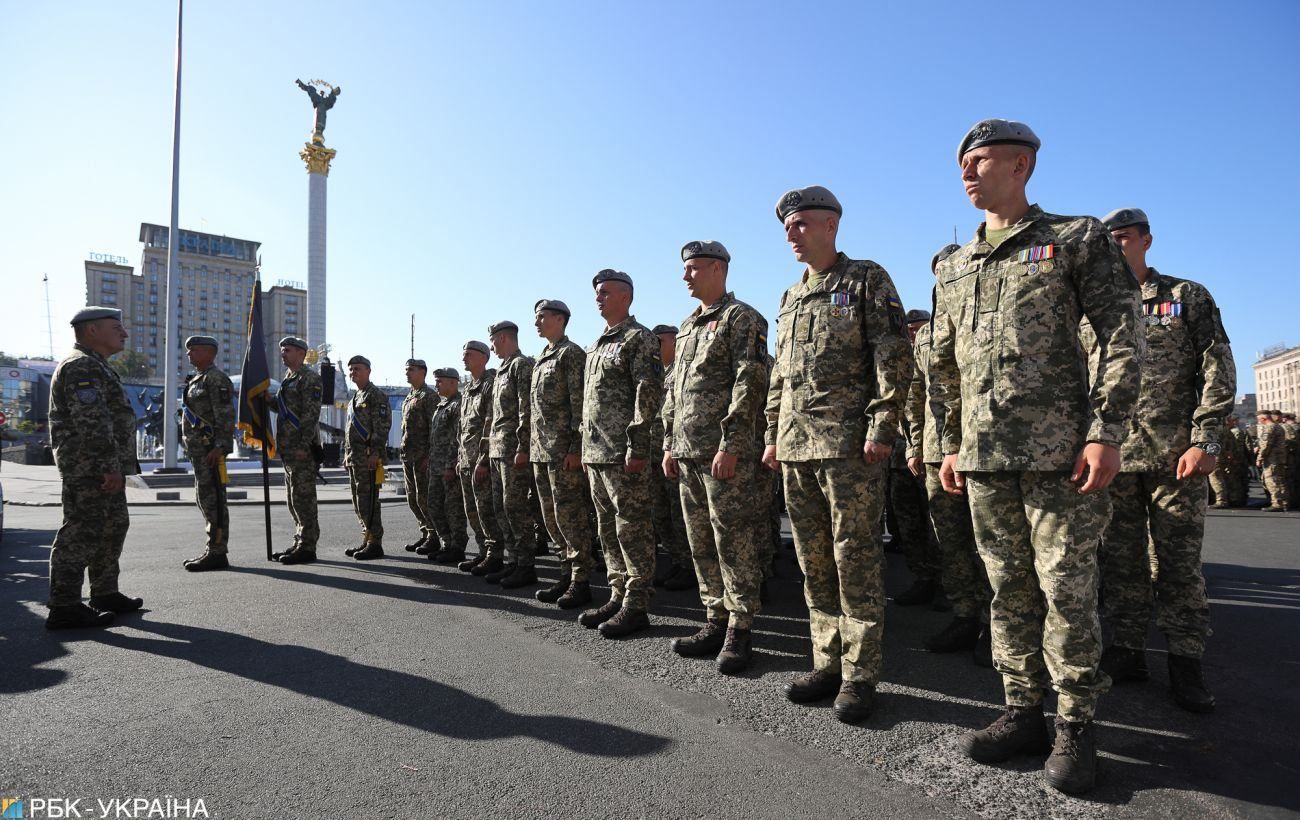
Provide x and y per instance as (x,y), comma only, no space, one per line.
(208,430)
(1022,429)
(1272,461)
(556,453)
(297,439)
(669,526)
(446,500)
(911,507)
(508,444)
(1229,480)
(471,461)
(364,445)
(711,418)
(1292,431)
(92,431)
(417,418)
(622,391)
(1189,383)
(843,364)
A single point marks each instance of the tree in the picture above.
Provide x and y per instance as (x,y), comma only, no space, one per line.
(6,359)
(131,364)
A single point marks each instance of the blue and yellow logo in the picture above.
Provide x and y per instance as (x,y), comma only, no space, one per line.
(10,807)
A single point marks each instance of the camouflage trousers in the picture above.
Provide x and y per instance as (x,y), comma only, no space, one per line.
(514,509)
(417,496)
(1231,485)
(911,511)
(477,496)
(1154,506)
(1273,477)
(835,506)
(210,495)
(365,503)
(669,524)
(964,578)
(300,487)
(565,501)
(1037,536)
(627,537)
(447,509)
(90,541)
(766,517)
(720,528)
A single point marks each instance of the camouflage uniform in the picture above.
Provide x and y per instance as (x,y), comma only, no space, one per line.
(1007,367)
(621,396)
(557,432)
(208,423)
(92,431)
(475,421)
(1292,431)
(715,399)
(964,579)
(446,502)
(1189,384)
(1273,463)
(417,417)
(297,431)
(369,420)
(843,363)
(511,415)
(912,515)
(1229,479)
(669,524)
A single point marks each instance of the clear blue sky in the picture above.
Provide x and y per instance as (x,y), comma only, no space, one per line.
(491,154)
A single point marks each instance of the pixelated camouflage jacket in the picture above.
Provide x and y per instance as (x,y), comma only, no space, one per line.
(923,417)
(417,417)
(557,393)
(622,392)
(92,425)
(475,421)
(1272,445)
(297,406)
(512,408)
(444,434)
(1006,362)
(369,419)
(208,417)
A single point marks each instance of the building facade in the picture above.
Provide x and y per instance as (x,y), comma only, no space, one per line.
(1277,379)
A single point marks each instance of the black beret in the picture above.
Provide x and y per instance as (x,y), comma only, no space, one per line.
(659,329)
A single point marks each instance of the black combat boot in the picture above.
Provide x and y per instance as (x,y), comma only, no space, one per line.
(448,555)
(489,564)
(818,684)
(1125,665)
(854,702)
(1072,766)
(961,633)
(351,551)
(940,602)
(520,577)
(1018,730)
(115,602)
(276,556)
(1187,685)
(415,545)
(76,616)
(735,654)
(681,578)
(625,622)
(708,641)
(552,593)
(429,547)
(593,618)
(468,564)
(208,560)
(370,553)
(920,592)
(982,654)
(298,555)
(540,542)
(495,576)
(578,594)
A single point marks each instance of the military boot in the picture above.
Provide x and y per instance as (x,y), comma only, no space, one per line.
(298,555)
(578,593)
(208,560)
(552,593)
(448,555)
(76,616)
(115,602)
(735,654)
(1072,766)
(370,553)
(1018,730)
(276,556)
(940,603)
(520,577)
(415,545)
(593,618)
(920,592)
(468,564)
(1125,665)
(810,686)
(625,622)
(681,578)
(491,563)
(961,633)
(429,547)
(855,700)
(707,641)
(982,654)
(540,542)
(1187,685)
(351,551)
(495,576)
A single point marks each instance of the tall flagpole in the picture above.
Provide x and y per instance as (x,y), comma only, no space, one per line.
(173,271)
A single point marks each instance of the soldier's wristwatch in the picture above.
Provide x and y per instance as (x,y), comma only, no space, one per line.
(1210,448)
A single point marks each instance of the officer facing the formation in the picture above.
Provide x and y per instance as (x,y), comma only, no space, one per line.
(711,421)
(555,450)
(1031,442)
(417,415)
(670,528)
(446,504)
(208,430)
(507,446)
(471,460)
(92,431)
(297,438)
(1272,461)
(622,391)
(964,579)
(1189,383)
(364,446)
(843,364)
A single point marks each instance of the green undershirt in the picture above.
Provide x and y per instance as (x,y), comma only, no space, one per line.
(994,236)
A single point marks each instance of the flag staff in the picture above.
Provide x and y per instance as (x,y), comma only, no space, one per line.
(173,272)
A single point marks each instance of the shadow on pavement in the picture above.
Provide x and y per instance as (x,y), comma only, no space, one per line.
(24,579)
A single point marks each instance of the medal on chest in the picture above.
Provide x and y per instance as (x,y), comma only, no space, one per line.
(1038,259)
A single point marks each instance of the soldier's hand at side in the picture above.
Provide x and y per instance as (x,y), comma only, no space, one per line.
(633,465)
(572,463)
(873,452)
(521,460)
(669,465)
(372,462)
(212,458)
(769,458)
(916,466)
(724,466)
(1195,462)
(1101,462)
(954,483)
(113,484)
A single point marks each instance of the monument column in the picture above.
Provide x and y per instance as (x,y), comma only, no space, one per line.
(317,157)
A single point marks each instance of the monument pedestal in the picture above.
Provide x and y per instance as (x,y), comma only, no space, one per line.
(317,158)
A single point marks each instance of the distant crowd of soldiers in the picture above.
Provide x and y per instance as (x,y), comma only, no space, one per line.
(1047,431)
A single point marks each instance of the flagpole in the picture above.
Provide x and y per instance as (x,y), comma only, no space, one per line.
(173,272)
(266,479)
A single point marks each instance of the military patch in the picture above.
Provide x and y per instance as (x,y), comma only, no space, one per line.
(87,395)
